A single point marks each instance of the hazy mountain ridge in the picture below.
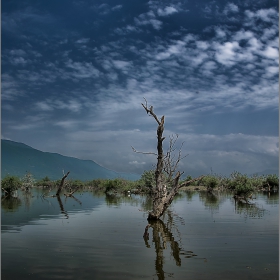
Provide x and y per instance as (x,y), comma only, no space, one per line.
(18,158)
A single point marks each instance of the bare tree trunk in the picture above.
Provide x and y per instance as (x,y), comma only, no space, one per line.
(162,198)
(61,184)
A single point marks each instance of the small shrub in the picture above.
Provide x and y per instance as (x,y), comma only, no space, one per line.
(10,184)
(45,182)
(147,180)
(241,184)
(225,182)
(96,184)
(28,181)
(111,185)
(118,185)
(257,181)
(272,181)
(75,183)
(210,182)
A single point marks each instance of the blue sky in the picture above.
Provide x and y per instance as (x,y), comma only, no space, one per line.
(74,74)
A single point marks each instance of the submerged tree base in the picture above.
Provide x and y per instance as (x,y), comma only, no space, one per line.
(152,217)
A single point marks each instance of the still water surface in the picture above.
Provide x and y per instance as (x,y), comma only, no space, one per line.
(103,237)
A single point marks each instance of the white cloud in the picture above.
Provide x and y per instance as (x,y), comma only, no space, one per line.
(15,22)
(271,71)
(131,28)
(36,54)
(119,64)
(83,41)
(18,60)
(148,19)
(252,143)
(254,45)
(156,24)
(243,35)
(71,105)
(18,52)
(69,124)
(267,15)
(30,126)
(127,29)
(202,45)
(271,53)
(199,58)
(117,7)
(175,49)
(208,67)
(10,88)
(226,53)
(269,33)
(226,153)
(56,104)
(82,69)
(112,76)
(135,162)
(44,106)
(166,11)
(220,33)
(232,7)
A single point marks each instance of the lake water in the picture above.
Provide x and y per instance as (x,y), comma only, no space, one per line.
(101,237)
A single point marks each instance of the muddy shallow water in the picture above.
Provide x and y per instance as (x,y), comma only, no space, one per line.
(103,237)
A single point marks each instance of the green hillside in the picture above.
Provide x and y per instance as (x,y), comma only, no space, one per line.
(18,158)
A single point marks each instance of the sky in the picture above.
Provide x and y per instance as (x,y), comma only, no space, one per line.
(74,74)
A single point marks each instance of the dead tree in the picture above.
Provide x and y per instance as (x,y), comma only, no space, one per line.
(61,184)
(167,185)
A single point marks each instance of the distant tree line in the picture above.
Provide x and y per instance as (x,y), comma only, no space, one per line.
(239,184)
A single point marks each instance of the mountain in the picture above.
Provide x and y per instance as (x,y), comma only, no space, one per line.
(18,158)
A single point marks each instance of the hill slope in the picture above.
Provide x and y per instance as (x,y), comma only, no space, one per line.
(18,158)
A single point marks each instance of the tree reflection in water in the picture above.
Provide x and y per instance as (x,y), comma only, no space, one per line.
(27,197)
(62,207)
(117,200)
(113,199)
(272,198)
(162,236)
(10,203)
(249,210)
(212,201)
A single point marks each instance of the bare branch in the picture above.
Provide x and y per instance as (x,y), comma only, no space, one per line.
(71,195)
(145,153)
(190,181)
(150,111)
(61,184)
(170,164)
(71,192)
